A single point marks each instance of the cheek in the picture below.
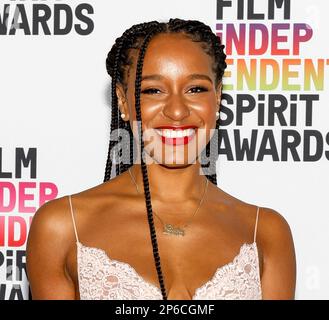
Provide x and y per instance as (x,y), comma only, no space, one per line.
(150,112)
(207,112)
(208,115)
(205,105)
(148,108)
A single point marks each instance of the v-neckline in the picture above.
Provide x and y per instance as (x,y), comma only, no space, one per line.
(219,269)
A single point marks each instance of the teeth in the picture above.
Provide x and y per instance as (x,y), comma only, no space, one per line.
(168,133)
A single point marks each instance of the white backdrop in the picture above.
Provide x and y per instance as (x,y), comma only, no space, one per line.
(55,98)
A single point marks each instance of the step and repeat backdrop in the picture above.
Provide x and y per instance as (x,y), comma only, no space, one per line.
(55,113)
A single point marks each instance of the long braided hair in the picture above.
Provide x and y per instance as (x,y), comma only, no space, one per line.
(118,62)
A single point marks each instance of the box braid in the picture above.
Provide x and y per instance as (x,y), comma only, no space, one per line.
(117,64)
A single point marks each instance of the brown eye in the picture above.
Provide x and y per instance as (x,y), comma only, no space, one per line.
(198,89)
(150,91)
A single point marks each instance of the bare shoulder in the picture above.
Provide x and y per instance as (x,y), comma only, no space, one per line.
(52,240)
(279,260)
(275,246)
(271,224)
(49,240)
(274,240)
(274,229)
(51,233)
(51,221)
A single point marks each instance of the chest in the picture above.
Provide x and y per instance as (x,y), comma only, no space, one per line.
(101,277)
(214,259)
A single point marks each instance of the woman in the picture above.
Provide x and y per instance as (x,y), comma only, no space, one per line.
(105,242)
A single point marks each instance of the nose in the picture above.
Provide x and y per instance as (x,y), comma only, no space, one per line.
(175,108)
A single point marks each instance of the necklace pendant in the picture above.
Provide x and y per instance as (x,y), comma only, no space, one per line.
(170,229)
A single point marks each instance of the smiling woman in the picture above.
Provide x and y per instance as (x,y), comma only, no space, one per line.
(103,243)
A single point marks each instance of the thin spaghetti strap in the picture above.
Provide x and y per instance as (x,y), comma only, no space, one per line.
(72,214)
(256,224)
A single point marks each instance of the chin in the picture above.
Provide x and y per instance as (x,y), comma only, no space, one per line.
(174,165)
(174,162)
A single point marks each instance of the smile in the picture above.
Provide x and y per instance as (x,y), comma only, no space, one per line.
(176,137)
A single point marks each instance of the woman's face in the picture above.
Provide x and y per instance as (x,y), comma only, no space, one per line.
(178,89)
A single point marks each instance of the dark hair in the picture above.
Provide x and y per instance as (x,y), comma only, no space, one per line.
(118,63)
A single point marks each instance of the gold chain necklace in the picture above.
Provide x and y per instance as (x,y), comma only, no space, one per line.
(169,228)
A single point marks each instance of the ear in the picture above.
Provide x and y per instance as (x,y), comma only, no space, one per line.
(122,101)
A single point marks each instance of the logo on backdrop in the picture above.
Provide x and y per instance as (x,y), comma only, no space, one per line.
(268,79)
(45,17)
(20,196)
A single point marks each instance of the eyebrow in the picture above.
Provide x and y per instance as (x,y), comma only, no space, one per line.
(192,76)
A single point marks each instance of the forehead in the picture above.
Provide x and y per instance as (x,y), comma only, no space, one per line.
(175,54)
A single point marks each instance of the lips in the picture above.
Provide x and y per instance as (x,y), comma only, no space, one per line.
(176,135)
(176,127)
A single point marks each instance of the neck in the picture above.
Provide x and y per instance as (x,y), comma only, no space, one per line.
(175,184)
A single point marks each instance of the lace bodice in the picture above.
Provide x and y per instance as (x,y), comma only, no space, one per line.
(102,278)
